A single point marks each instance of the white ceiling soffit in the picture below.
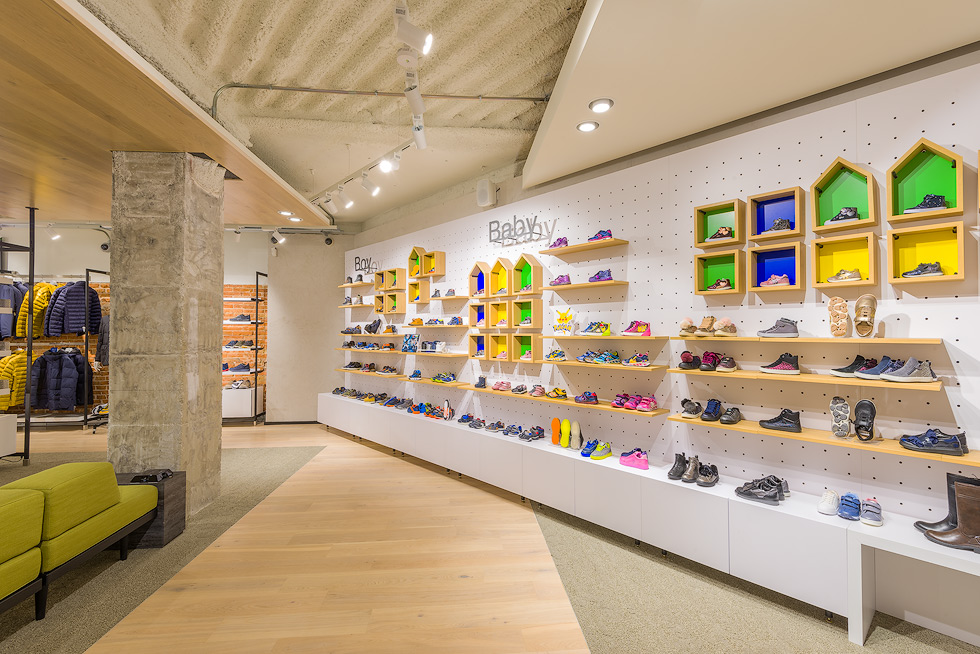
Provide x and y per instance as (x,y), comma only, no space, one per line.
(678,68)
(503,48)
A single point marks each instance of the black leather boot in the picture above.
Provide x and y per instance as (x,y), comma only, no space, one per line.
(949,522)
(679,467)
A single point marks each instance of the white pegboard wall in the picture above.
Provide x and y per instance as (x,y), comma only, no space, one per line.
(651,205)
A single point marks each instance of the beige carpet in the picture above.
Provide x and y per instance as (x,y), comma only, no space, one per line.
(84,604)
(631,600)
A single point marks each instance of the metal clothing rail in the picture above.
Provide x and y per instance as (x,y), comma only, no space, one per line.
(88,278)
(11,247)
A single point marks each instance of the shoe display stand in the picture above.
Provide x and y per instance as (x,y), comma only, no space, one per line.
(830,255)
(709,267)
(477,344)
(418,291)
(527,272)
(910,246)
(498,347)
(364,305)
(585,247)
(590,285)
(497,311)
(925,168)
(813,378)
(779,259)
(246,404)
(521,344)
(501,281)
(392,279)
(526,308)
(709,218)
(354,349)
(356,284)
(355,371)
(765,208)
(843,184)
(604,366)
(478,312)
(603,405)
(432,382)
(479,281)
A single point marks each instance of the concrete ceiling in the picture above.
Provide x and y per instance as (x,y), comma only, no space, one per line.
(677,68)
(506,48)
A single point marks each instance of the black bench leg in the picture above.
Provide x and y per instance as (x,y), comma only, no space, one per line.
(41,601)
(124,548)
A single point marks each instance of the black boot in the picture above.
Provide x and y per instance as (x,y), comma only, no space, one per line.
(949,522)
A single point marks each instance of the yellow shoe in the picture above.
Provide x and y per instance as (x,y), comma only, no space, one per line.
(415,322)
(566,432)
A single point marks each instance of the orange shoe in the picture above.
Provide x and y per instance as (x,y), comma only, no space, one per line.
(555,430)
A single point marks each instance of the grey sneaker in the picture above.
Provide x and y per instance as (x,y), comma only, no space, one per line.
(846,276)
(779,225)
(784,328)
(912,371)
(845,215)
(925,270)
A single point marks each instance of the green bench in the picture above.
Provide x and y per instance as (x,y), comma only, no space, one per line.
(56,520)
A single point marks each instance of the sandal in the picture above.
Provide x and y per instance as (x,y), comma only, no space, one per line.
(841,413)
(864,420)
(864,314)
(838,316)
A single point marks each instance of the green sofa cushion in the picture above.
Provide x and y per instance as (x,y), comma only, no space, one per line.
(73,493)
(19,571)
(135,501)
(21,512)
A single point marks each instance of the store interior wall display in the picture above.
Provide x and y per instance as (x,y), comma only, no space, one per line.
(445,334)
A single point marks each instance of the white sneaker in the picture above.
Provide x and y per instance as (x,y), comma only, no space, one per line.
(829,503)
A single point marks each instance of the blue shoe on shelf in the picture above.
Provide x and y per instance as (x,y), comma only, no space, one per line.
(850,507)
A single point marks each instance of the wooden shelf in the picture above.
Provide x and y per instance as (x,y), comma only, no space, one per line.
(434,327)
(813,378)
(574,287)
(882,446)
(805,339)
(606,366)
(242,373)
(428,381)
(370,374)
(242,322)
(585,247)
(604,405)
(355,306)
(613,337)
(363,335)
(355,284)
(355,349)
(443,355)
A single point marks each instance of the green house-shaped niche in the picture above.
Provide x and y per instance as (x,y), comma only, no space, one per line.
(842,185)
(527,276)
(926,169)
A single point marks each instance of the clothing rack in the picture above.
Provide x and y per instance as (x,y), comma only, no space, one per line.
(88,278)
(12,247)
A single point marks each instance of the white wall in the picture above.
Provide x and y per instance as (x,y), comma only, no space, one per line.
(76,250)
(245,255)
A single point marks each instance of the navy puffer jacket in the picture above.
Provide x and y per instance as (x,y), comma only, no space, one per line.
(52,303)
(68,315)
(9,292)
(54,381)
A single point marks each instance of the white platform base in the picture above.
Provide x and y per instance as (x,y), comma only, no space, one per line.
(241,402)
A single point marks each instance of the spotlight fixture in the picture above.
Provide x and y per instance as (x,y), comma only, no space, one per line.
(278,236)
(329,204)
(368,185)
(409,34)
(418,132)
(385,166)
(285,213)
(587,126)
(238,235)
(396,161)
(53,235)
(413,94)
(295,219)
(601,106)
(345,200)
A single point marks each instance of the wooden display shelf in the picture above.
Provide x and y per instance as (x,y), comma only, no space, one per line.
(442,355)
(910,246)
(521,343)
(501,279)
(363,335)
(237,349)
(604,405)
(613,337)
(706,223)
(759,262)
(843,184)
(709,267)
(355,306)
(479,280)
(370,374)
(252,299)
(428,381)
(926,167)
(242,322)
(527,272)
(606,366)
(765,208)
(813,378)
(418,291)
(574,287)
(830,255)
(356,349)
(242,373)
(882,446)
(435,327)
(355,284)
(815,339)
(585,247)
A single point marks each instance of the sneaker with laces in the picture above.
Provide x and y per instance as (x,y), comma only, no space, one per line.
(776,280)
(712,412)
(588,397)
(602,451)
(784,328)
(786,421)
(556,355)
(727,364)
(929,203)
(559,243)
(561,280)
(778,225)
(601,276)
(846,214)
(731,417)
(845,275)
(721,284)
(638,360)
(709,362)
(601,235)
(635,459)
(829,502)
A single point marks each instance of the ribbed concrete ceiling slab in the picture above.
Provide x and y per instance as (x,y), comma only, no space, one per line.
(677,68)
(512,48)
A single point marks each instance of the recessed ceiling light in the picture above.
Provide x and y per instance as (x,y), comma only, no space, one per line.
(587,126)
(385,166)
(285,213)
(601,106)
(369,185)
(295,219)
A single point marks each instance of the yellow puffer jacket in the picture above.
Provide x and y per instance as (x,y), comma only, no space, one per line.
(42,295)
(14,370)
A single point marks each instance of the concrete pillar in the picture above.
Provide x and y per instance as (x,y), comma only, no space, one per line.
(166,311)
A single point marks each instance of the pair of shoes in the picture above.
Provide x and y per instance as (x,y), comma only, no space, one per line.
(602,276)
(368,367)
(850,507)
(444,378)
(709,327)
(638,360)
(692,471)
(596,329)
(356,329)
(434,321)
(635,402)
(602,234)
(710,362)
(387,370)
(722,232)
(558,394)
(961,525)
(637,328)
(520,389)
(532,434)
(911,371)
(455,320)
(555,355)
(537,391)
(784,328)
(501,386)
(712,412)
(768,490)
(635,458)
(864,418)
(925,270)
(936,441)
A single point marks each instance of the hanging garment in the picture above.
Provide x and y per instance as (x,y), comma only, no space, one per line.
(54,381)
(9,292)
(50,310)
(102,347)
(14,370)
(84,371)
(68,313)
(42,296)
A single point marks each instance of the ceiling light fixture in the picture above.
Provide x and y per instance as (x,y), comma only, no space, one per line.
(385,166)
(285,213)
(328,204)
(53,235)
(418,132)
(409,34)
(368,185)
(413,94)
(279,237)
(601,106)
(345,200)
(587,126)
(396,161)
(295,219)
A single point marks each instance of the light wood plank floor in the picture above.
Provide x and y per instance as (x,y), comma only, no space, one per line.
(361,551)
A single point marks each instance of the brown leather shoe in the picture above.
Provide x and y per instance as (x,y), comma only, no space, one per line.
(949,522)
(966,536)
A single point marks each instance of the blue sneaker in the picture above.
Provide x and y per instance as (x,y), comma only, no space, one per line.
(712,411)
(590,448)
(588,357)
(871,513)
(936,441)
(850,507)
(416,375)
(875,373)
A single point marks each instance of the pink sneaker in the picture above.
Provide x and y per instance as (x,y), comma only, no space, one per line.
(776,280)
(629,331)
(633,402)
(637,328)
(504,386)
(647,404)
(635,459)
(621,400)
(537,391)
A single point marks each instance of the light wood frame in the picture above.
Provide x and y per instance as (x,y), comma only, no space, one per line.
(497,308)
(475,309)
(738,284)
(797,248)
(871,243)
(418,252)
(501,268)
(815,190)
(436,260)
(418,287)
(924,145)
(536,312)
(515,348)
(738,207)
(473,340)
(799,209)
(537,275)
(895,234)
(479,267)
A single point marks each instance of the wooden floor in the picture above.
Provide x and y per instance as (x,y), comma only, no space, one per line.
(361,551)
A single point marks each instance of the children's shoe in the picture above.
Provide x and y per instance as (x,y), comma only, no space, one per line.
(561,280)
(597,329)
(588,397)
(621,400)
(829,502)
(633,402)
(501,355)
(537,391)
(555,431)
(637,328)
(566,433)
(712,411)
(691,410)
(647,404)
(635,459)
(603,234)
(589,448)
(871,513)
(456,320)
(707,476)
(481,382)
(556,355)
(602,451)
(601,276)
(558,394)
(687,328)
(638,360)
(588,357)
(776,280)
(416,374)
(559,243)
(575,436)
(707,327)
(850,507)
(519,390)
(465,418)
(709,362)
(725,328)
(721,284)
(689,361)
(527,356)
(727,364)
(786,364)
